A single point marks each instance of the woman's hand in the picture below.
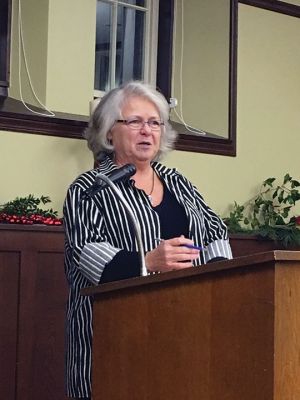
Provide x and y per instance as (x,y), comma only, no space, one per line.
(171,254)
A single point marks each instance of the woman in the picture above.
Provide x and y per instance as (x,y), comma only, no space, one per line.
(130,125)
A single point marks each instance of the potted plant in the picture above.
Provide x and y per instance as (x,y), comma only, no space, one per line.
(267,218)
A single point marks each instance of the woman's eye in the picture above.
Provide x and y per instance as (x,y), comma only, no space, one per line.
(134,122)
(154,123)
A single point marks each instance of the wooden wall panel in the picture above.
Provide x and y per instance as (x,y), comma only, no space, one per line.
(33,295)
(9,298)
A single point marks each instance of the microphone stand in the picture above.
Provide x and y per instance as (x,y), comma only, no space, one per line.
(134,221)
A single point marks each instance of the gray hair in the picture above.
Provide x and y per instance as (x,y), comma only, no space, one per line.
(109,110)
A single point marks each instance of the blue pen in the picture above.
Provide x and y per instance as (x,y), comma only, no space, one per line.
(192,246)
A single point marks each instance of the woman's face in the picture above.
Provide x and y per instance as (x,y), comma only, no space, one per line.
(136,145)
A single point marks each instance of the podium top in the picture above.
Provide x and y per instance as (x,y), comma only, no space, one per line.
(250,261)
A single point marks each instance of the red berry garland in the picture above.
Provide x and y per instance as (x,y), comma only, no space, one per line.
(29,220)
(25,211)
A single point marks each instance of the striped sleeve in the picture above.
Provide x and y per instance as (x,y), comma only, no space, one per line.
(215,232)
(214,235)
(85,236)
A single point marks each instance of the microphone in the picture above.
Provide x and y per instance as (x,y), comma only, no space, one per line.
(120,174)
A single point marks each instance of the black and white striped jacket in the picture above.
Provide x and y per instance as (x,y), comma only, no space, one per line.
(98,228)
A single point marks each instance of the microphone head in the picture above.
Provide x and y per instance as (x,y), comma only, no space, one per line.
(129,170)
(121,174)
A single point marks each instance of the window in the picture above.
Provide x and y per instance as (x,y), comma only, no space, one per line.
(126,42)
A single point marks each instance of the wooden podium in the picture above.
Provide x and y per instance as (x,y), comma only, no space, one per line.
(225,331)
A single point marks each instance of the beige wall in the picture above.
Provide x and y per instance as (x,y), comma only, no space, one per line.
(268,127)
(40,165)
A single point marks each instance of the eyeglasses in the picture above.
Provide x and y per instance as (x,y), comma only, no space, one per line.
(136,123)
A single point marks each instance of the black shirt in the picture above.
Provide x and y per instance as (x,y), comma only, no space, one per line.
(173,221)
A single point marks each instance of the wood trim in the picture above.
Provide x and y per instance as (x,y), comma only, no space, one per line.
(16,118)
(274,5)
(74,129)
(5,22)
(43,126)
(31,228)
(193,143)
(190,273)
(165,47)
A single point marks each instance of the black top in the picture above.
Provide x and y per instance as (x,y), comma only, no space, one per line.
(173,222)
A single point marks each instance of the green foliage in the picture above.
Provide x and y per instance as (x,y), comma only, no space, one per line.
(27,206)
(268,213)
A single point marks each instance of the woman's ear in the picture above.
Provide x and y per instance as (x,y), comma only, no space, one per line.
(109,137)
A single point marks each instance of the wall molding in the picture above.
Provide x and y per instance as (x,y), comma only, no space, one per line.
(274,5)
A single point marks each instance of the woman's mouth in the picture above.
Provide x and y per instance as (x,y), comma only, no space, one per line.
(144,144)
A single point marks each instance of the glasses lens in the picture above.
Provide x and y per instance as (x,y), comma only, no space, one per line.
(134,123)
(154,124)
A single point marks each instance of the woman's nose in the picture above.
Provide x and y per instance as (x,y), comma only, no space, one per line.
(146,128)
